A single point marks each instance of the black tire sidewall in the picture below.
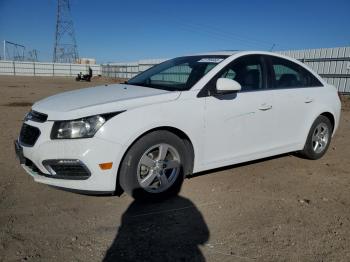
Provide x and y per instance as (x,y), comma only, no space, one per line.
(128,170)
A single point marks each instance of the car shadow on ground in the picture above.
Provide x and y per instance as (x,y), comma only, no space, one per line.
(163,231)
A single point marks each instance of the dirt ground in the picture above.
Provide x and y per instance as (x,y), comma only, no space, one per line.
(280,209)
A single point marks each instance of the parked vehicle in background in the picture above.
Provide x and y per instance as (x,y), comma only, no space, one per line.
(183,116)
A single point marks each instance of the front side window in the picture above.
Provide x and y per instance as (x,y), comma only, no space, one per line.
(177,74)
(287,74)
(247,71)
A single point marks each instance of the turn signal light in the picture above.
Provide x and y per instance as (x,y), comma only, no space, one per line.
(106,166)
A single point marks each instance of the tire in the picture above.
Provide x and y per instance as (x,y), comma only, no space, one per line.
(318,139)
(148,174)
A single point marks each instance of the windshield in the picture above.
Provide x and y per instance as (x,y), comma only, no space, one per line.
(177,74)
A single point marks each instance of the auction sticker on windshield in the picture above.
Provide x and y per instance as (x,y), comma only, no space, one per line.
(211,60)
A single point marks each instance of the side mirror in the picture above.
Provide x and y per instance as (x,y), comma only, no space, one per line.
(226,86)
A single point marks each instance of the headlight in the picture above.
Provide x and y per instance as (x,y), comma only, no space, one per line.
(79,128)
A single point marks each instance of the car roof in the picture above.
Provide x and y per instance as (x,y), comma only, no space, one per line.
(244,52)
(224,52)
(236,53)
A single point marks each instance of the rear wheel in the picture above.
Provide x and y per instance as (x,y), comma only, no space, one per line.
(155,166)
(318,139)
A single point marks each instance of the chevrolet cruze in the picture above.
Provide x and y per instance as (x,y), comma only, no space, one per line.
(183,116)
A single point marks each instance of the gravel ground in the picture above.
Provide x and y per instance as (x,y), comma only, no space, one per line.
(279,209)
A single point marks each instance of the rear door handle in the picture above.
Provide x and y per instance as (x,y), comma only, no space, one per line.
(265,107)
(308,100)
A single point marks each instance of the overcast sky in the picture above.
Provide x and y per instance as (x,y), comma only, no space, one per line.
(130,30)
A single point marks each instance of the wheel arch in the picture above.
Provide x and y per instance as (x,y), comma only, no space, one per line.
(331,118)
(325,113)
(308,153)
(178,132)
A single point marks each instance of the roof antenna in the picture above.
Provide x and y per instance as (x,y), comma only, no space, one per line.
(272,47)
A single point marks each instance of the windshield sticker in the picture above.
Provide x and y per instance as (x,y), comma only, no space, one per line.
(211,60)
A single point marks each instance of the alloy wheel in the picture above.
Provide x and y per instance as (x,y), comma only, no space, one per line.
(158,168)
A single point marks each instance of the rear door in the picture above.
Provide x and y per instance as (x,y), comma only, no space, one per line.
(295,92)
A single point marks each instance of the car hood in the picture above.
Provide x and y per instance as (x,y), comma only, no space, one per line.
(100,99)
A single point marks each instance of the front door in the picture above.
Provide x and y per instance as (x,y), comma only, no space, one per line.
(239,126)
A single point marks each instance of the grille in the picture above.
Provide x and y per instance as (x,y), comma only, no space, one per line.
(69,170)
(29,135)
(36,117)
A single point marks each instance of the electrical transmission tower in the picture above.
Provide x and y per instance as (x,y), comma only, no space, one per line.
(13,51)
(33,55)
(65,49)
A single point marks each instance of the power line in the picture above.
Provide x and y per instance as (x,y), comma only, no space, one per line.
(218,33)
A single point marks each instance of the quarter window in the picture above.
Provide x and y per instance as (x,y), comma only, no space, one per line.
(286,74)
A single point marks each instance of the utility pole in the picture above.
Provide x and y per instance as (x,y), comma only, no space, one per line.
(65,48)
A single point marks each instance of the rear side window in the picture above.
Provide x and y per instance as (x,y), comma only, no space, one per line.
(286,74)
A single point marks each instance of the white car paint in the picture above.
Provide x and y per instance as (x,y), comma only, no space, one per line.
(223,132)
(225,84)
(100,99)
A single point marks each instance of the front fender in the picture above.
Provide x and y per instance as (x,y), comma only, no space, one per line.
(128,126)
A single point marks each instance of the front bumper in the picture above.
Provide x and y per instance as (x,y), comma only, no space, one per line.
(90,152)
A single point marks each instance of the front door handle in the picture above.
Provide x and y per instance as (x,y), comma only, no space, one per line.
(308,100)
(265,107)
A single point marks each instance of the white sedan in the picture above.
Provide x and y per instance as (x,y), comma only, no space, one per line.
(183,116)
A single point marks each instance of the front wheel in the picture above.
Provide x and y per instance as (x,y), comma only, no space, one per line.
(318,139)
(155,166)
